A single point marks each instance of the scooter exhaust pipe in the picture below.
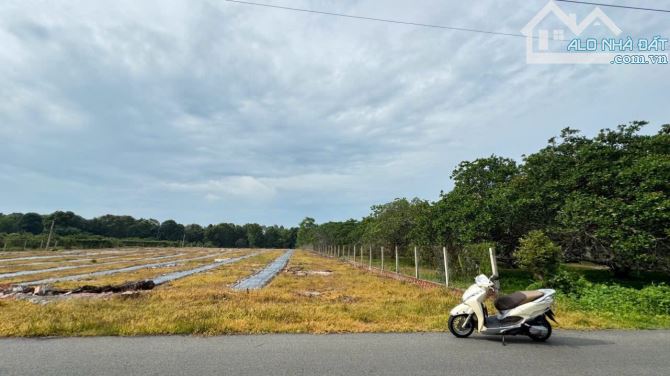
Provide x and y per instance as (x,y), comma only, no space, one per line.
(539,331)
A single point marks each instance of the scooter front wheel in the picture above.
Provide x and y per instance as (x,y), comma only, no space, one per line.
(460,326)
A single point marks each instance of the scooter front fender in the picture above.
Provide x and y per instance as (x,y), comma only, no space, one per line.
(461,309)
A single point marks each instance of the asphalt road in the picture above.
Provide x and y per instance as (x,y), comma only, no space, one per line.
(566,353)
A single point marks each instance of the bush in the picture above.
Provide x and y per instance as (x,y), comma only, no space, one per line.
(538,254)
(569,283)
(652,300)
(611,298)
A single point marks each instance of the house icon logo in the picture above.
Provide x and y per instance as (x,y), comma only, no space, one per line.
(538,38)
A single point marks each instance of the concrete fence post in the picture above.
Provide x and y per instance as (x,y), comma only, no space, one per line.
(416,264)
(382,258)
(396,259)
(51,231)
(354,253)
(370,254)
(494,264)
(446,266)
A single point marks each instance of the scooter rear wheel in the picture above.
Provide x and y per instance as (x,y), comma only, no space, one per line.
(459,327)
(541,338)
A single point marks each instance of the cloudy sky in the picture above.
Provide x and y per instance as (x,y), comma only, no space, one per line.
(211,111)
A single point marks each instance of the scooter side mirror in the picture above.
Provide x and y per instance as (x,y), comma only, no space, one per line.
(495,279)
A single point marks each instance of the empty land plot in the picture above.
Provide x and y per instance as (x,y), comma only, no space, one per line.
(313,294)
(95,268)
(61,259)
(25,270)
(19,265)
(42,255)
(149,272)
(183,259)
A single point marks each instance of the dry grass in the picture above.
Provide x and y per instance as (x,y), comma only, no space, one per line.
(347,300)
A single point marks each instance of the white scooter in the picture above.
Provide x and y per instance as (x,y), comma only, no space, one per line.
(522,312)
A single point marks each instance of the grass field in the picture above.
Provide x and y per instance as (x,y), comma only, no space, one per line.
(313,294)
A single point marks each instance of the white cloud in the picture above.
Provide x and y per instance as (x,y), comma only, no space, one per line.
(236,186)
(200,110)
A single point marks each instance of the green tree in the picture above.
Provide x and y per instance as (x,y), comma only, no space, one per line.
(481,207)
(272,237)
(171,230)
(10,222)
(30,222)
(194,233)
(65,223)
(618,211)
(142,228)
(223,235)
(538,254)
(254,233)
(399,222)
(307,232)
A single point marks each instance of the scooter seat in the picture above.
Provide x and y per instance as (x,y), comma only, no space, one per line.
(515,299)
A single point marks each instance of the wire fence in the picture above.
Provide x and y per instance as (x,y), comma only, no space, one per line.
(451,266)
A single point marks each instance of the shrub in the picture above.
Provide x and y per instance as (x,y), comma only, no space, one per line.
(652,300)
(569,283)
(538,254)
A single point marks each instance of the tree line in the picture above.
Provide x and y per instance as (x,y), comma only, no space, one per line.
(69,224)
(604,199)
